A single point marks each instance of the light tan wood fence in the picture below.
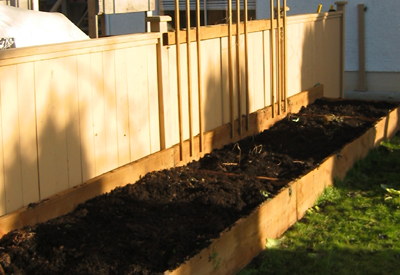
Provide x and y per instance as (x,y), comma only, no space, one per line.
(73,111)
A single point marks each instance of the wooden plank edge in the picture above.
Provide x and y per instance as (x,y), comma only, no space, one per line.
(221,30)
(239,244)
(78,45)
(247,237)
(74,51)
(337,165)
(217,31)
(64,202)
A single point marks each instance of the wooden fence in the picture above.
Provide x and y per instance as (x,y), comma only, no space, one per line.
(73,111)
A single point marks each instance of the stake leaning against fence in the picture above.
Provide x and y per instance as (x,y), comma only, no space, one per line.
(246,60)
(189,75)
(178,76)
(238,71)
(230,68)
(279,56)
(285,63)
(272,48)
(199,78)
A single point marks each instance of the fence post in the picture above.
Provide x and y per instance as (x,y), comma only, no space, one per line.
(160,24)
(341,6)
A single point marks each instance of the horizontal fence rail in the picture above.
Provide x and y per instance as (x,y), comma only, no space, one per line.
(73,111)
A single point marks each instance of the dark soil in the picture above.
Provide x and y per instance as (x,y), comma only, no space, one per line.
(168,216)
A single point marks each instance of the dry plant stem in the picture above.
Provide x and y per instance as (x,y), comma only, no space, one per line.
(240,151)
(238,175)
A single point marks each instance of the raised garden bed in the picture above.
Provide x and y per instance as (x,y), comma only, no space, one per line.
(213,215)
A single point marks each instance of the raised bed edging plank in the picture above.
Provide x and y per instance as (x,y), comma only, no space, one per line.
(66,201)
(237,246)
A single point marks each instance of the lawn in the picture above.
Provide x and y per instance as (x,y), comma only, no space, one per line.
(353,228)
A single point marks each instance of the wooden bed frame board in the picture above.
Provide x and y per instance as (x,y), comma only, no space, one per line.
(237,246)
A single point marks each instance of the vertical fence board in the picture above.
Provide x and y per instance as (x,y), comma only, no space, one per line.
(224,76)
(234,82)
(334,34)
(243,85)
(171,102)
(3,208)
(11,138)
(86,117)
(267,68)
(110,111)
(121,80)
(100,148)
(138,99)
(213,100)
(294,58)
(258,70)
(195,91)
(51,122)
(154,129)
(27,128)
(184,91)
(320,60)
(71,101)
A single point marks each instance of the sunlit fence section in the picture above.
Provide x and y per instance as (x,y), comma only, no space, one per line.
(73,111)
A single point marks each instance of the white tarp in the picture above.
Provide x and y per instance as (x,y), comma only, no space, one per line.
(33,28)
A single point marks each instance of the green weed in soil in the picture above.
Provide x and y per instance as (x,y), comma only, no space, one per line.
(353,228)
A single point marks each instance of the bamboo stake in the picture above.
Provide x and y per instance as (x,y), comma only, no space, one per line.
(285,61)
(199,78)
(246,52)
(273,60)
(279,53)
(230,67)
(178,76)
(238,70)
(189,75)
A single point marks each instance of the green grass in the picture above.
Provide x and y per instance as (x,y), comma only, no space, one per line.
(353,228)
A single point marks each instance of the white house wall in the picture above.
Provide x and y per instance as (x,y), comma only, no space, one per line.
(381,39)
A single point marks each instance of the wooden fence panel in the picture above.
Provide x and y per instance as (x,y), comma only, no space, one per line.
(27,129)
(110,109)
(86,117)
(72,130)
(138,100)
(121,83)
(3,206)
(73,111)
(11,139)
(100,152)
(215,94)
(267,67)
(152,80)
(257,71)
(314,53)
(51,90)
(332,57)
(171,102)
